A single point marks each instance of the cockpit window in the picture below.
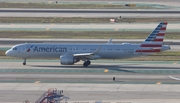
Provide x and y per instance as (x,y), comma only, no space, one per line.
(14,48)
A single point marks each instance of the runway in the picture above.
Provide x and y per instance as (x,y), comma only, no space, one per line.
(172,27)
(124,13)
(91,97)
(136,81)
(104,70)
(4,10)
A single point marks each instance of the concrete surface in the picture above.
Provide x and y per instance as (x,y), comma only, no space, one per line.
(136,82)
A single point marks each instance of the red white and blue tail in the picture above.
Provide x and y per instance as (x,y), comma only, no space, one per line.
(154,41)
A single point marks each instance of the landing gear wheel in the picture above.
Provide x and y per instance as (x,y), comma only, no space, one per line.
(88,62)
(85,64)
(24,63)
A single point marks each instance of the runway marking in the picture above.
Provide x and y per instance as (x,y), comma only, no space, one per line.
(37,82)
(175,63)
(116,29)
(47,28)
(106,70)
(158,83)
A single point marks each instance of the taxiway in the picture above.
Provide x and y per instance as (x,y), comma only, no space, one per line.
(136,81)
(125,13)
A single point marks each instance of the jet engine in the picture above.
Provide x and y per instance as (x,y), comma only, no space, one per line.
(68,60)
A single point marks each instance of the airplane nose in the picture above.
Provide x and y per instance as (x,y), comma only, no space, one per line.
(7,52)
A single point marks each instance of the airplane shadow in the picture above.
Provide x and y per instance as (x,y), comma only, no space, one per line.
(94,67)
(128,68)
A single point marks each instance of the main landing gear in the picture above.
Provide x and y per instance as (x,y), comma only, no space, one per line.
(86,63)
(24,63)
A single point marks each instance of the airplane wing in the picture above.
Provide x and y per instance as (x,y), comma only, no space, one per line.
(83,54)
(88,55)
(174,78)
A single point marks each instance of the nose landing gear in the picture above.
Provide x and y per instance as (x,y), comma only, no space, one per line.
(86,63)
(24,63)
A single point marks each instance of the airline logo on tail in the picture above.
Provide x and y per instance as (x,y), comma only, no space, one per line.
(154,41)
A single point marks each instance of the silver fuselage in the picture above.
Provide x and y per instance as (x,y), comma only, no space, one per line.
(55,50)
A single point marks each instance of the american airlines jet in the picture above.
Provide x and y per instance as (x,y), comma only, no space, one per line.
(73,53)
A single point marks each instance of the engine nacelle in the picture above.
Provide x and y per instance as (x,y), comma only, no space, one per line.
(68,60)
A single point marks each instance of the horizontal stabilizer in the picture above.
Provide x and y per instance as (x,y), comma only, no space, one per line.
(156,48)
(110,41)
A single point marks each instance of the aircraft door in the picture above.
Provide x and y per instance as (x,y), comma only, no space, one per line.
(23,49)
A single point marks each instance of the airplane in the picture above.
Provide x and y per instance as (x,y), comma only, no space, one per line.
(70,54)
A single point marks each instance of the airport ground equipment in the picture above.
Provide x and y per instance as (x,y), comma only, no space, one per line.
(51,96)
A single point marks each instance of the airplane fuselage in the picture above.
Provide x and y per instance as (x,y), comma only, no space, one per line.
(50,50)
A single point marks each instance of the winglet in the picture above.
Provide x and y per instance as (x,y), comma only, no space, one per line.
(110,41)
(174,78)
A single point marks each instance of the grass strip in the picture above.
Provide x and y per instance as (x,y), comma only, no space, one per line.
(81,20)
(71,6)
(83,34)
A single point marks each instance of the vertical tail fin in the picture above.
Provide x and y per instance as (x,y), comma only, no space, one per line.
(158,33)
(154,41)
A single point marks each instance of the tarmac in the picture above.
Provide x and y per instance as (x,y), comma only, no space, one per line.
(136,81)
(172,27)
